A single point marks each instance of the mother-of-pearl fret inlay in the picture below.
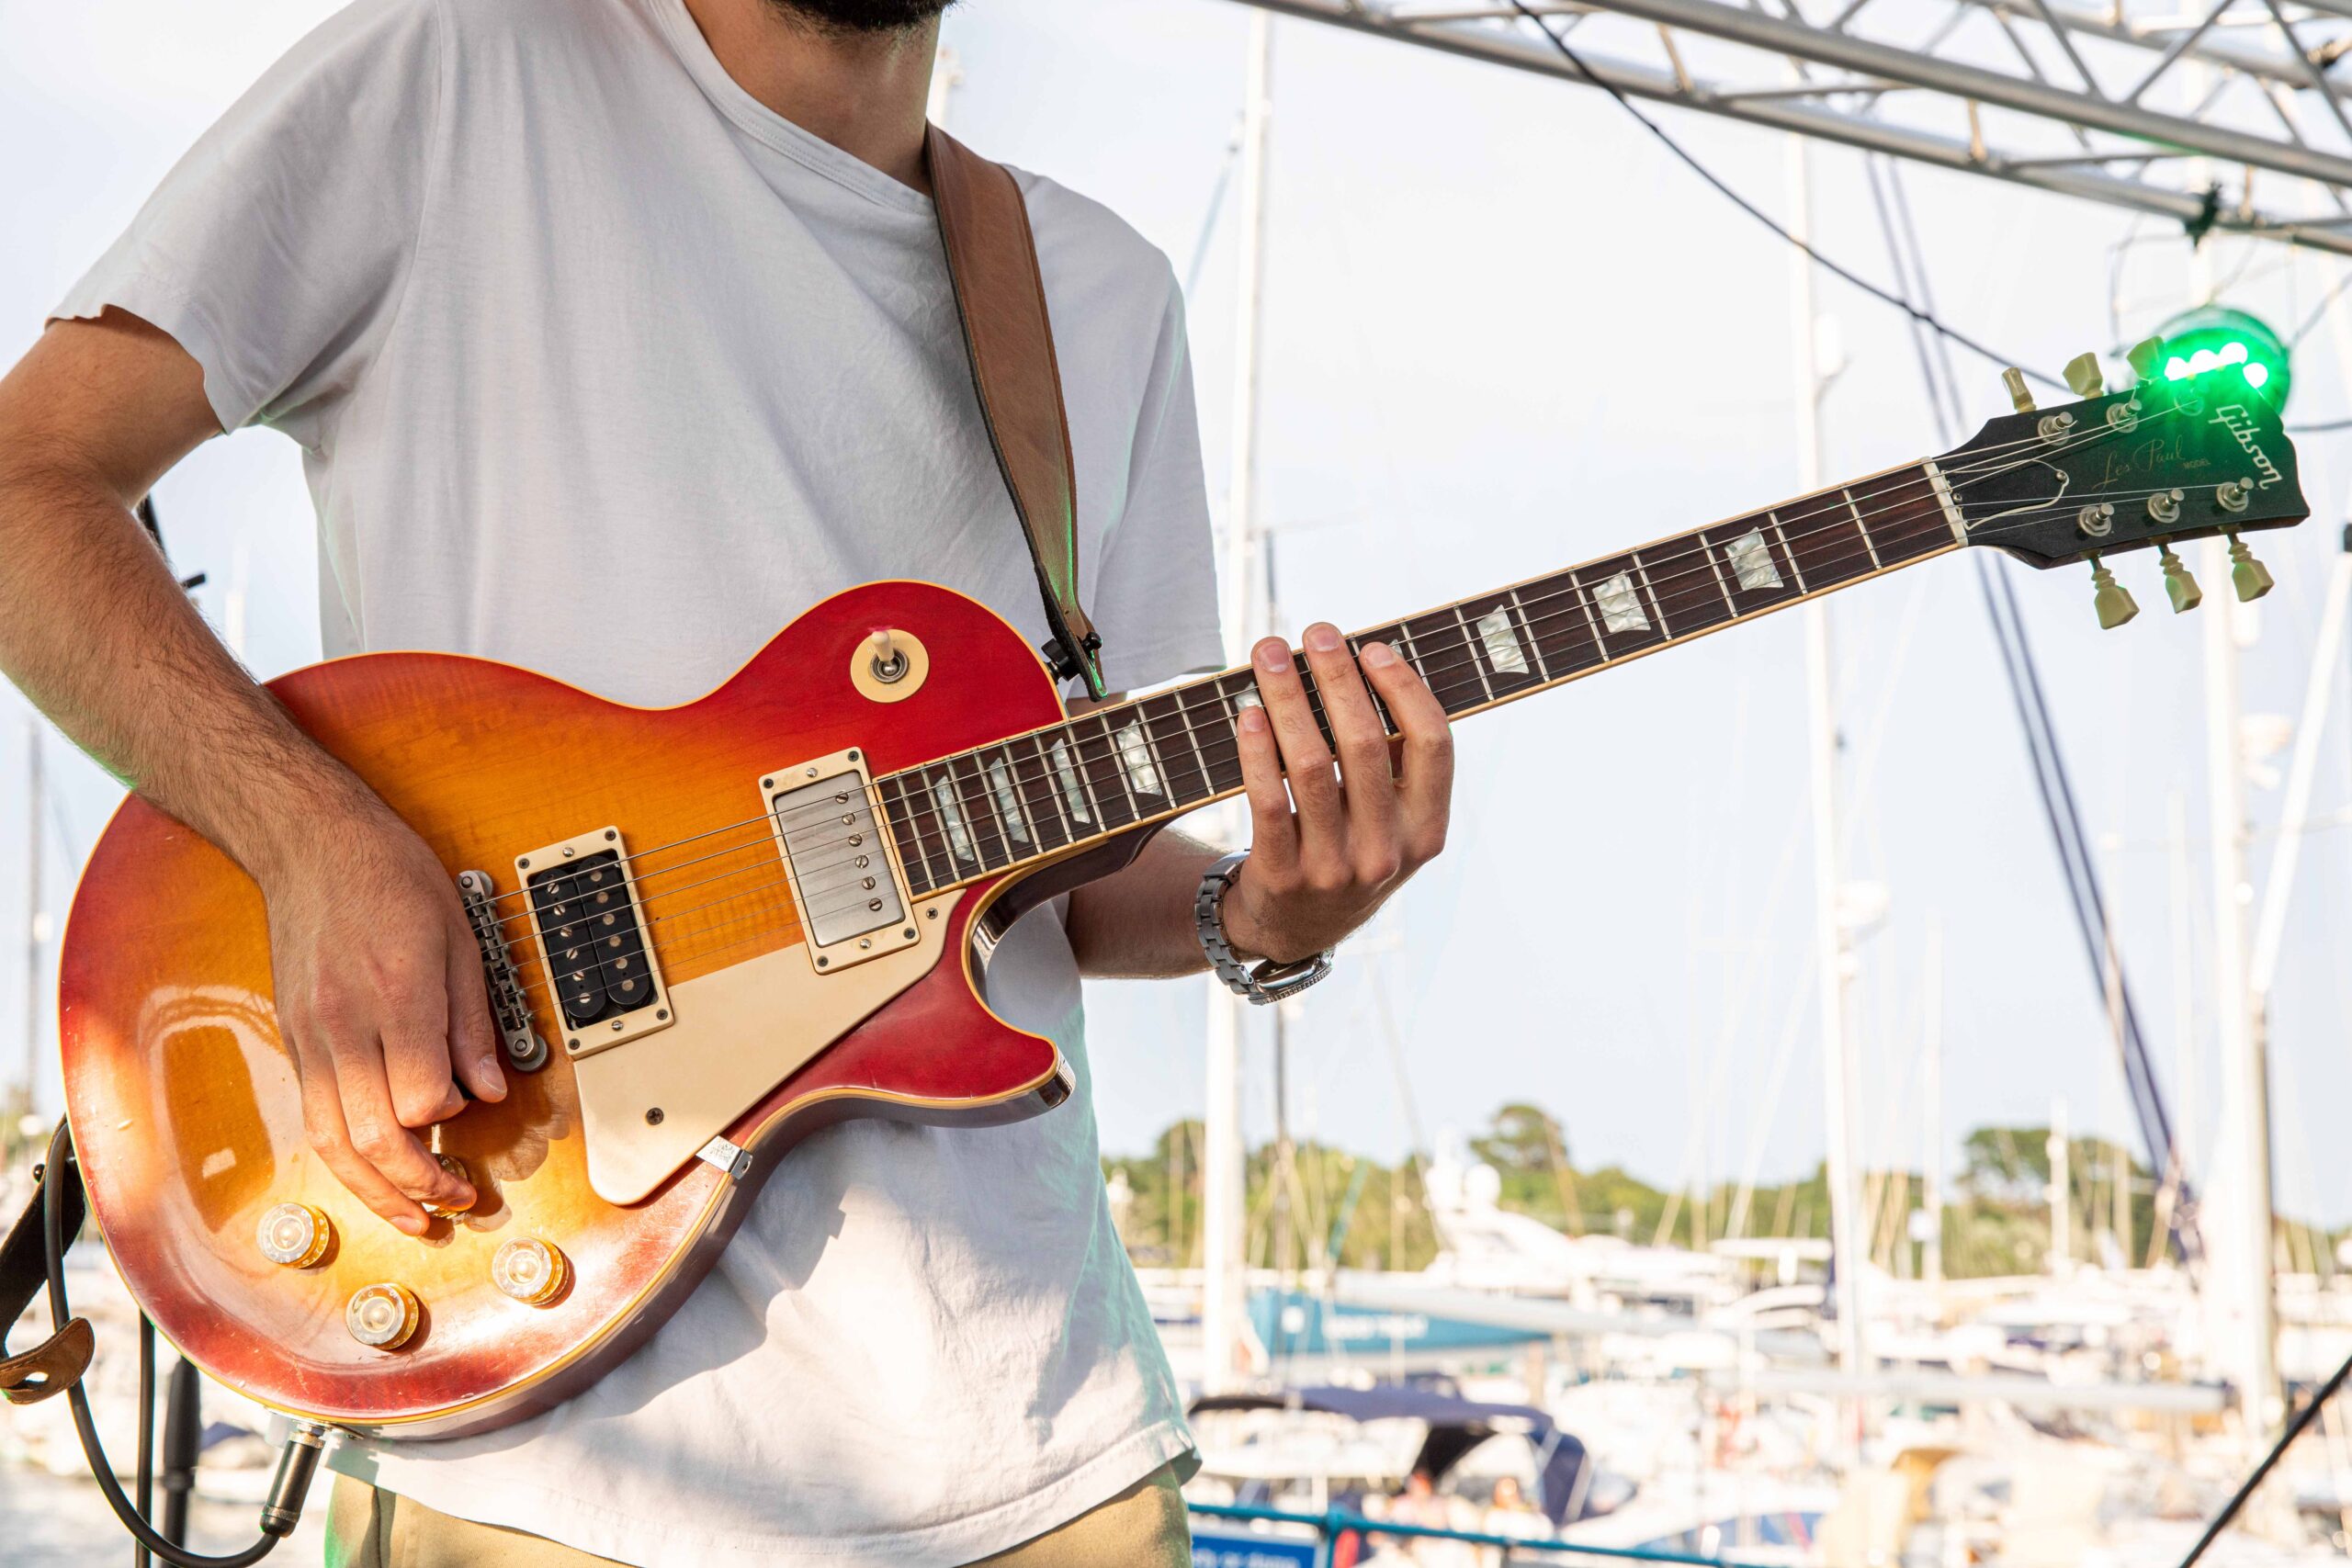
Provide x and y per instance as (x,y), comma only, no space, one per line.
(1008,802)
(1503,653)
(1620,604)
(1751,560)
(1135,757)
(1073,792)
(951,815)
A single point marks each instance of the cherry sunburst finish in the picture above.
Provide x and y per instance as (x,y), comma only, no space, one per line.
(184,1106)
(819,856)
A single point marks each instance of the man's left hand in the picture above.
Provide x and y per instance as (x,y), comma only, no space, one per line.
(1346,832)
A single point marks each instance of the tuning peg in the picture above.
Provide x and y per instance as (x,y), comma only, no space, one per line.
(2112,600)
(2181,587)
(2083,374)
(2247,575)
(2145,356)
(2019,397)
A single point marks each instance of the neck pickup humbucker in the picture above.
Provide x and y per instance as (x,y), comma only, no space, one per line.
(592,937)
(846,881)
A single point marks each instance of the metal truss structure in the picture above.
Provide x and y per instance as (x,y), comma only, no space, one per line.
(2225,115)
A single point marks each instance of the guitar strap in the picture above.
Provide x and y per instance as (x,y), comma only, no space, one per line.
(57,1362)
(1001,300)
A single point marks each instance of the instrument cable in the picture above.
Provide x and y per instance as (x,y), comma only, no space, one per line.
(296,1463)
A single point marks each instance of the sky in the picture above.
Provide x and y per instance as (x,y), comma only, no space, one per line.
(1505,331)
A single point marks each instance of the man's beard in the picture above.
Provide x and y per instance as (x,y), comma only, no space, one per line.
(862,16)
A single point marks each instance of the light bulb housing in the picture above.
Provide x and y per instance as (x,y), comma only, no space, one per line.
(2224,344)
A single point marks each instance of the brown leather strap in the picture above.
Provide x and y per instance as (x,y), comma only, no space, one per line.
(1001,297)
(50,1367)
(58,1363)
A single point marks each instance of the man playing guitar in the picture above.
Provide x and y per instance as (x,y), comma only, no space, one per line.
(614,332)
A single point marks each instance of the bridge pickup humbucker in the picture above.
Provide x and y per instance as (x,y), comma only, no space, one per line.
(592,938)
(846,882)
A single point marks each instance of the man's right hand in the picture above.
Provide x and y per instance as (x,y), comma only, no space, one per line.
(380,997)
(379,982)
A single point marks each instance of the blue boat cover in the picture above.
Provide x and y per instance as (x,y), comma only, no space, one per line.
(1455,1426)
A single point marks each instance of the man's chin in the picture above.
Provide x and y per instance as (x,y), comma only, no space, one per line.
(862,16)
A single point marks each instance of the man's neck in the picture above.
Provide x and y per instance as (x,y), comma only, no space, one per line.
(866,93)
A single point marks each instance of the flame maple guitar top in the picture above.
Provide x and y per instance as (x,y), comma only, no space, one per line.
(183,1101)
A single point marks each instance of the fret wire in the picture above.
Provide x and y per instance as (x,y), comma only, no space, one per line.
(998,792)
(1463,620)
(1125,801)
(1723,586)
(1226,737)
(1158,762)
(1665,630)
(1591,621)
(1781,533)
(1053,790)
(1534,648)
(1863,529)
(902,829)
(980,815)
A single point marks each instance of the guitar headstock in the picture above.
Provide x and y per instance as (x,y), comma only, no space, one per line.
(2196,458)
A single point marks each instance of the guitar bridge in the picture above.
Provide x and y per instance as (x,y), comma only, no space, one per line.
(509,1009)
(592,937)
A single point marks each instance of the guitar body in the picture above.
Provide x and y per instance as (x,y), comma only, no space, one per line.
(185,1105)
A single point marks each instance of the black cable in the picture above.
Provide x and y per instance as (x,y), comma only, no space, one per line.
(2320,427)
(140,1556)
(1696,168)
(60,1152)
(2295,1429)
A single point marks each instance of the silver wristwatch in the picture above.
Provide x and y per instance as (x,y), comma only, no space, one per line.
(1265,982)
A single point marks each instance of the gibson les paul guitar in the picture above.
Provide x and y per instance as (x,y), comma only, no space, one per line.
(709,929)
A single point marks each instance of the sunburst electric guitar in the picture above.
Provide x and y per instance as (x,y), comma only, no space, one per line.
(709,929)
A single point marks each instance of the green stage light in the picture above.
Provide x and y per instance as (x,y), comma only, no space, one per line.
(2215,337)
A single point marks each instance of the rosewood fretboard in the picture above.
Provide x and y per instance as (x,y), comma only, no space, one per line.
(1034,794)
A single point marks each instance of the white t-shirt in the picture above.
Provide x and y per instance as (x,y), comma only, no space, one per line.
(555,308)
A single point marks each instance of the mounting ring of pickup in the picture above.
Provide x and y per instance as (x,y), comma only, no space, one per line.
(593,939)
(848,888)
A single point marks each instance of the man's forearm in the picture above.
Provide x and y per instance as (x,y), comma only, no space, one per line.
(93,630)
(1137,925)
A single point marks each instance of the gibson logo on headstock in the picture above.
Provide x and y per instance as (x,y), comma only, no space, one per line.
(2233,418)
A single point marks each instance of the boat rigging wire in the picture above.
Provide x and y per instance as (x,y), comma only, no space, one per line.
(1922,316)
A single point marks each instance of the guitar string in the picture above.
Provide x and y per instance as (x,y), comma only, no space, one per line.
(978,831)
(934,840)
(929,825)
(986,840)
(1978,460)
(1455,648)
(933,836)
(769,888)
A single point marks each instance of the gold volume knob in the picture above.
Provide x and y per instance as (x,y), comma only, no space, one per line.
(381,1316)
(294,1235)
(532,1271)
(455,1168)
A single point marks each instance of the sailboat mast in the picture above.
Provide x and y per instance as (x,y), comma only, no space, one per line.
(1224,1171)
(1829,931)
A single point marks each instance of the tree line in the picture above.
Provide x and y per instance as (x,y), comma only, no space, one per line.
(1313,1204)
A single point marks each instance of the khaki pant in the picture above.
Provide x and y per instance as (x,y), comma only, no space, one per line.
(1143,1527)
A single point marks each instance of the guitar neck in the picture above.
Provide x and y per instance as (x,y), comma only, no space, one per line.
(1120,767)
